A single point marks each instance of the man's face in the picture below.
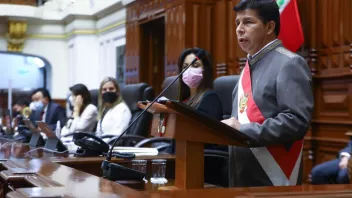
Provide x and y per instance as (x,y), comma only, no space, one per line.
(39,97)
(251,32)
(17,108)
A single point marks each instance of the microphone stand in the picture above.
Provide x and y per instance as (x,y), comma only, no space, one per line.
(107,166)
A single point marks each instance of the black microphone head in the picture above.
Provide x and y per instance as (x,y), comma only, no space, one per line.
(200,54)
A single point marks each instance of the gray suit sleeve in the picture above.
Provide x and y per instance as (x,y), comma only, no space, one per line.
(295,101)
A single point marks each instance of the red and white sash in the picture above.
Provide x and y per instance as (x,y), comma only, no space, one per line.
(280,165)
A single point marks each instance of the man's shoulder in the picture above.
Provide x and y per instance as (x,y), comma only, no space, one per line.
(285,56)
(54,105)
(285,53)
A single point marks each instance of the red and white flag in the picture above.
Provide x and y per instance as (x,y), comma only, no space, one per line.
(291,32)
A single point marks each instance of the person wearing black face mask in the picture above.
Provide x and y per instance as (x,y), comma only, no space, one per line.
(114,115)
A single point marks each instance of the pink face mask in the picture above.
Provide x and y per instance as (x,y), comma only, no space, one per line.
(192,77)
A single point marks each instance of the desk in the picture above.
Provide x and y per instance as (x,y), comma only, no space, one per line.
(51,178)
(92,165)
(57,170)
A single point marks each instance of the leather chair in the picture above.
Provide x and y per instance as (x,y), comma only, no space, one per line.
(94,95)
(131,95)
(140,129)
(172,92)
(224,86)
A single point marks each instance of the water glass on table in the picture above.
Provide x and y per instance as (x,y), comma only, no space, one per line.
(158,171)
(140,166)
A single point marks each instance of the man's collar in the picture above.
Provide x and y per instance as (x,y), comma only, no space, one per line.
(268,47)
(251,57)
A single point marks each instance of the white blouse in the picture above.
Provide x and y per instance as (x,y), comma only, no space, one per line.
(115,121)
(84,123)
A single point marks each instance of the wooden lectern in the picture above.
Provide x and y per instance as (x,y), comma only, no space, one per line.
(191,129)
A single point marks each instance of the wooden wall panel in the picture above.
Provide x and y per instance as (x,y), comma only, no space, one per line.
(229,57)
(199,20)
(328,35)
(175,37)
(132,52)
(334,37)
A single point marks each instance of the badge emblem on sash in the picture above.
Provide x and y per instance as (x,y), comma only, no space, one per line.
(243,102)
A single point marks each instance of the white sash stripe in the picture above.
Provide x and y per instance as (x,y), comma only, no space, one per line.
(270,166)
(242,117)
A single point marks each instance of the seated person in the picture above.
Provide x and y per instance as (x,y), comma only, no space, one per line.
(334,171)
(21,108)
(113,113)
(195,90)
(84,115)
(21,111)
(46,110)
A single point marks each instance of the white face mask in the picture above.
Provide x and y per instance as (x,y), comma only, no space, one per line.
(36,105)
(32,106)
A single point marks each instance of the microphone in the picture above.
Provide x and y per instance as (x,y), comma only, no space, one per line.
(107,166)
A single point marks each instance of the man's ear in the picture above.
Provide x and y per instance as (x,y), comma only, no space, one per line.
(270,26)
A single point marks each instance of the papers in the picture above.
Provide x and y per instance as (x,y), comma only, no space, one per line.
(137,151)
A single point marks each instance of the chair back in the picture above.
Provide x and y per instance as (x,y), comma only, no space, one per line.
(172,92)
(94,95)
(224,86)
(131,94)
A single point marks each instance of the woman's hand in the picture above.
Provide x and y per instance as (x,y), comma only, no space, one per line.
(77,106)
(78,101)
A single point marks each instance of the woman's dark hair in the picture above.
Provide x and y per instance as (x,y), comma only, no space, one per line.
(267,10)
(206,84)
(80,89)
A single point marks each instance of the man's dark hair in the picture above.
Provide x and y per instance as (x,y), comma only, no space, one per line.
(267,10)
(23,102)
(34,92)
(45,93)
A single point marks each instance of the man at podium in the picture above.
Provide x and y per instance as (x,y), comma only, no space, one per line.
(272,102)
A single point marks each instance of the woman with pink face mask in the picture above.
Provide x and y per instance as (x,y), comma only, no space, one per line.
(195,90)
(196,84)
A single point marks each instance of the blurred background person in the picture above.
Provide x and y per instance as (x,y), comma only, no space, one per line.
(84,115)
(114,115)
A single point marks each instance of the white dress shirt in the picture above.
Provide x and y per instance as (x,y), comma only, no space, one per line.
(84,123)
(115,120)
(44,114)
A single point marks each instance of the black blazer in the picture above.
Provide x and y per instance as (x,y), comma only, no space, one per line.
(54,113)
(211,105)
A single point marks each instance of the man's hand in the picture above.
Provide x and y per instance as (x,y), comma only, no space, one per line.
(343,162)
(232,122)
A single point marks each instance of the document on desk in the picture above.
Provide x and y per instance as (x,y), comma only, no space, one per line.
(137,151)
